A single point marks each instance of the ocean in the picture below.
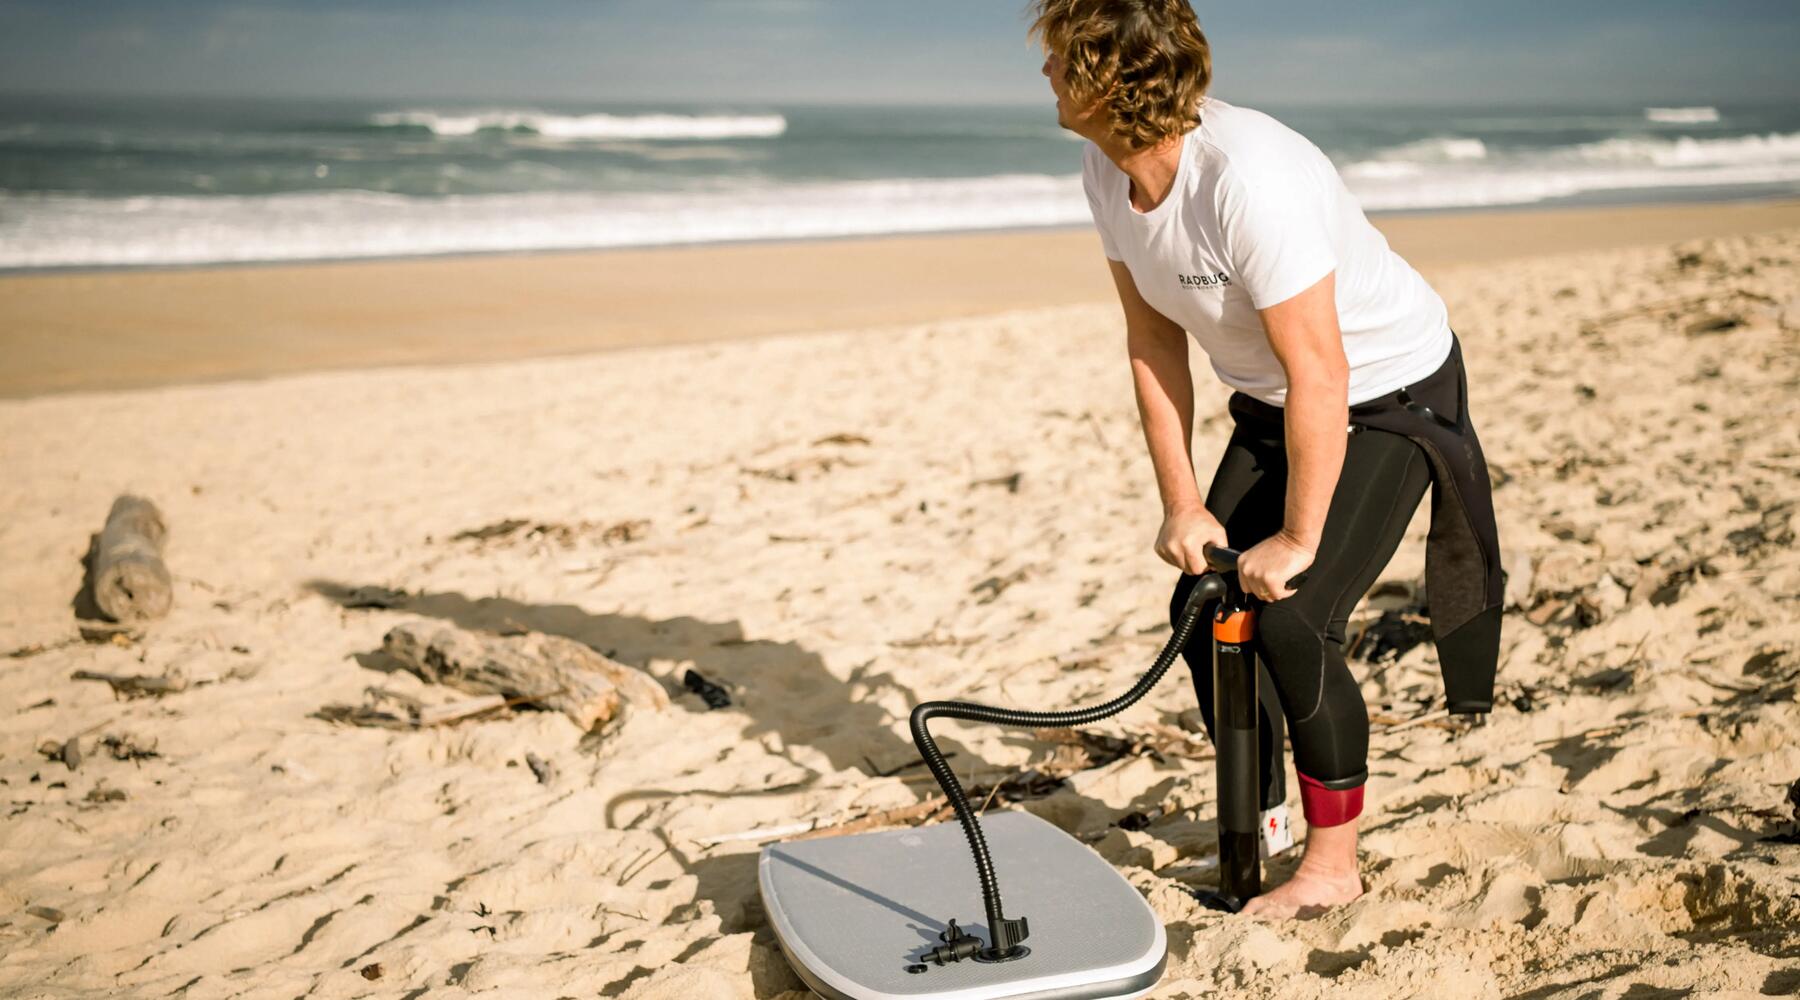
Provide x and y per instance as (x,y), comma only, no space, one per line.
(160,182)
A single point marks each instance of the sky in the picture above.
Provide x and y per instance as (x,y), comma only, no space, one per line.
(735,52)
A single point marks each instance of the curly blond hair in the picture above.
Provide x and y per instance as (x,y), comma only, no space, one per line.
(1146,61)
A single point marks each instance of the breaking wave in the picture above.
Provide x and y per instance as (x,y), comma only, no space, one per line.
(592,127)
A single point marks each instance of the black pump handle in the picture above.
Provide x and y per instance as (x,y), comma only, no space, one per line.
(1223,560)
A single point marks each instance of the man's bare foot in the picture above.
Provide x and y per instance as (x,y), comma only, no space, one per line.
(1327,877)
(1308,894)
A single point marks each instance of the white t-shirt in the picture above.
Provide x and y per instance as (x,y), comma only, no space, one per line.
(1257,215)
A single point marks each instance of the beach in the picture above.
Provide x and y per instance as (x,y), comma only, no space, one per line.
(115,329)
(836,479)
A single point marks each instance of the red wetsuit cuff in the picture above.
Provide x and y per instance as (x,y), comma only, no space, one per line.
(1324,806)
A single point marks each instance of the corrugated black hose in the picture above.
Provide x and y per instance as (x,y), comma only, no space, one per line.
(1007,934)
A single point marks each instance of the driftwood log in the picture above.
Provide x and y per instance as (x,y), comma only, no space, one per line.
(130,582)
(544,670)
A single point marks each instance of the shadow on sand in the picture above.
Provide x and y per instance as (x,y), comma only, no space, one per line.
(780,689)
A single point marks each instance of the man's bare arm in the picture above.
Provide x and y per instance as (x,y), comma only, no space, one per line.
(1165,391)
(1165,398)
(1304,333)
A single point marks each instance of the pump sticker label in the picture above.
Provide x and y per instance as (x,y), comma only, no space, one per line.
(1276,836)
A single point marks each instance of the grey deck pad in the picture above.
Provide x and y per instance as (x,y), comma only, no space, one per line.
(853,912)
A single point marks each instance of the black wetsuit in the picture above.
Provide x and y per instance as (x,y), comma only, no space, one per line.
(1300,639)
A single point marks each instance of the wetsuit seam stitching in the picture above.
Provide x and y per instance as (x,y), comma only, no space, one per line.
(1393,504)
(1319,702)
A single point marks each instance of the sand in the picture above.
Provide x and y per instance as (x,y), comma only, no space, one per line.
(831,536)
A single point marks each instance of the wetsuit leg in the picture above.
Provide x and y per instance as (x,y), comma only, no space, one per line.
(1384,477)
(1301,638)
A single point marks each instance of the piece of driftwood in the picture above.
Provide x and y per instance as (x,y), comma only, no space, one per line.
(113,632)
(382,709)
(880,820)
(130,582)
(39,647)
(135,685)
(759,834)
(548,671)
(127,748)
(1434,719)
(825,826)
(437,715)
(369,716)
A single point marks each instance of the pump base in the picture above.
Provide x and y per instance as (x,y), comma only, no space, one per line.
(1222,902)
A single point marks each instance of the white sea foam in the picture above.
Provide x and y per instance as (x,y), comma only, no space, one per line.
(1687,151)
(1682,116)
(1434,174)
(683,152)
(1381,170)
(591,127)
(61,231)
(1414,158)
(1443,149)
(65,230)
(1491,187)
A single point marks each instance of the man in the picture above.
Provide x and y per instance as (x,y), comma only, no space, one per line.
(1221,223)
